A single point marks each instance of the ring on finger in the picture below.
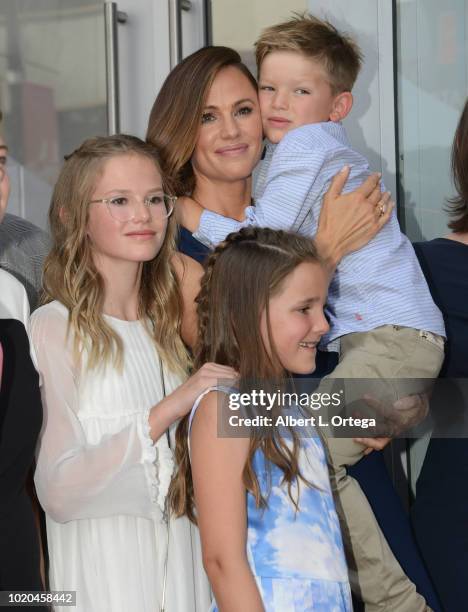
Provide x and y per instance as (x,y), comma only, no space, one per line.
(382,209)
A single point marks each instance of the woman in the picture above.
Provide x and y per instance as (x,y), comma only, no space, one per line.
(441,488)
(111,359)
(207,125)
(20,423)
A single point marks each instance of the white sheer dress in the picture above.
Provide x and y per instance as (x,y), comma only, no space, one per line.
(103,483)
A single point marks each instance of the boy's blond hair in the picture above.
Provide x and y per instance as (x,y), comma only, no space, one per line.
(337,52)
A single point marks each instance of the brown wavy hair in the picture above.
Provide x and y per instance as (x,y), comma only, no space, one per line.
(175,118)
(241,276)
(71,277)
(458,205)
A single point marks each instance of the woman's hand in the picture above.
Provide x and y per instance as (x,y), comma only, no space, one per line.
(348,222)
(180,402)
(403,414)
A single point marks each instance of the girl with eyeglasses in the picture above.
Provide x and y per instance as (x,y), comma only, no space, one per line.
(112,363)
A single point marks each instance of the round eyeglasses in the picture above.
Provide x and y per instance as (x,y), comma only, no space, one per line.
(124,207)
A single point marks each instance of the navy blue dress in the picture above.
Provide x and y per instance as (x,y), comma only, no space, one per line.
(191,246)
(440,512)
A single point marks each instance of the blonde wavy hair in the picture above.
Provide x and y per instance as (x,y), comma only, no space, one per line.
(241,275)
(71,277)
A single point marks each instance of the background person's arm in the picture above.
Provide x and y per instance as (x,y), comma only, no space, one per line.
(220,497)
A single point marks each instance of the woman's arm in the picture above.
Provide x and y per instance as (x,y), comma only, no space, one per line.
(189,273)
(220,497)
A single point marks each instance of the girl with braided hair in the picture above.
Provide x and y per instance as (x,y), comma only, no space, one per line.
(270,533)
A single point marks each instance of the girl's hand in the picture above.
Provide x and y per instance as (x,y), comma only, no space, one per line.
(348,222)
(209,375)
(180,402)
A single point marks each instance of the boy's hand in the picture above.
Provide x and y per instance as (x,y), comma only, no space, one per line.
(348,222)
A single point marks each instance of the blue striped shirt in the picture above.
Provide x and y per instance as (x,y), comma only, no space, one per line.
(381,283)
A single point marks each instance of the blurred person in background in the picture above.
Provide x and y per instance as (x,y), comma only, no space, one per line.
(20,423)
(23,246)
(441,494)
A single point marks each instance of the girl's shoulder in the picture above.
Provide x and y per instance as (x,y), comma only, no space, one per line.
(213,399)
(51,310)
(50,320)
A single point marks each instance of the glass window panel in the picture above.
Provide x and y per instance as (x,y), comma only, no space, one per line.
(238,24)
(432,87)
(53,91)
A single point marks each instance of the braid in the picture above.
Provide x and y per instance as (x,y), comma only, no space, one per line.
(203,306)
(262,238)
(240,275)
(244,235)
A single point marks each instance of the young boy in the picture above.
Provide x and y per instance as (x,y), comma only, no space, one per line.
(379,304)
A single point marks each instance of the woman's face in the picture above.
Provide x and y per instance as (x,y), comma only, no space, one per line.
(230,138)
(127,180)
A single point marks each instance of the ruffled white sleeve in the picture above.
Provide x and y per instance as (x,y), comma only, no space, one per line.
(125,473)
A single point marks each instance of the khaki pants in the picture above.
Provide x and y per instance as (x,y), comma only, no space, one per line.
(387,352)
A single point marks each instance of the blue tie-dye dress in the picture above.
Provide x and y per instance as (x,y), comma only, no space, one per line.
(297,558)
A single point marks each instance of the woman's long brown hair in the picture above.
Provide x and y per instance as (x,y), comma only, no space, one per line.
(241,276)
(458,205)
(175,118)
